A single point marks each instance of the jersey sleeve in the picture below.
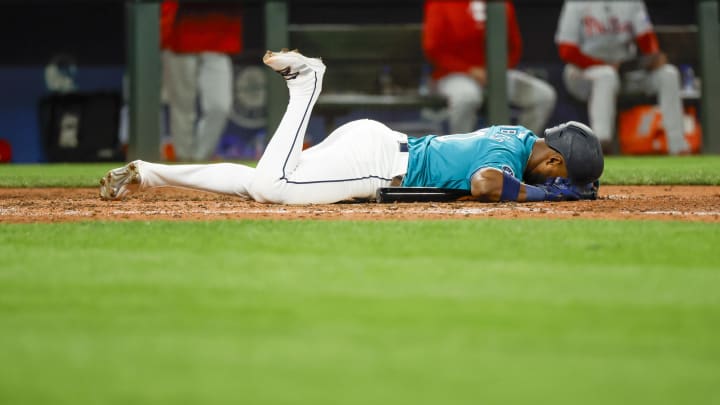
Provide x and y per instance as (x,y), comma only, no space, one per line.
(502,166)
(641,19)
(643,29)
(569,24)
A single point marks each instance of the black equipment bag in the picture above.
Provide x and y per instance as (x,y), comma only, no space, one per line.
(81,127)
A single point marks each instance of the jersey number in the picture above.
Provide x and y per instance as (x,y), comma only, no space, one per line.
(504,134)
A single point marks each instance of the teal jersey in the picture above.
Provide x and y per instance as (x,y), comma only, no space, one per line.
(450,161)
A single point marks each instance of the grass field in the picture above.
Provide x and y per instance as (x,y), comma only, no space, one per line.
(360,312)
(341,312)
(703,169)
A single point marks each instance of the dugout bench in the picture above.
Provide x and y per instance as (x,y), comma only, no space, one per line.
(679,42)
(369,67)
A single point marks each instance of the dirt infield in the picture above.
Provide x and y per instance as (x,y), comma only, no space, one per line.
(679,203)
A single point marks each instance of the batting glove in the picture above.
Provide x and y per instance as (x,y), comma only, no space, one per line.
(562,189)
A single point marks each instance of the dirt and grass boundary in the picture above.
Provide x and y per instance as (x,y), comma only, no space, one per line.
(675,203)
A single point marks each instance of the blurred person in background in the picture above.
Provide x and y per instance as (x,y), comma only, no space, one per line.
(596,38)
(198,40)
(454,43)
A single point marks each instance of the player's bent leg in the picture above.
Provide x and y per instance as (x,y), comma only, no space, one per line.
(535,97)
(665,81)
(601,106)
(224,178)
(361,156)
(576,83)
(181,84)
(215,80)
(464,97)
(303,76)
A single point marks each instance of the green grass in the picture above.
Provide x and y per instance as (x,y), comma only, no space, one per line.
(54,175)
(58,174)
(618,170)
(293,312)
(662,170)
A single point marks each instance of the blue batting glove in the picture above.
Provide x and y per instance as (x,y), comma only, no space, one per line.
(562,189)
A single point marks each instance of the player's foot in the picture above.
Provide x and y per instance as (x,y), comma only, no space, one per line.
(294,66)
(119,183)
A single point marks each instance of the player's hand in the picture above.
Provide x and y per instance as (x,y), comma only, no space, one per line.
(654,60)
(479,74)
(590,190)
(562,189)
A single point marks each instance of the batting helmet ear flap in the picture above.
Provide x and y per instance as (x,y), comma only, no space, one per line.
(580,148)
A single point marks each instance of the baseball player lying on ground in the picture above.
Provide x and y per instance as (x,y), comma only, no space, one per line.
(362,156)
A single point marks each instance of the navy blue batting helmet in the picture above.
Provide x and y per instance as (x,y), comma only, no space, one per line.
(580,148)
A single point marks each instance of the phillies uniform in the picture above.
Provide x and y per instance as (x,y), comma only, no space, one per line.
(198,40)
(454,42)
(593,38)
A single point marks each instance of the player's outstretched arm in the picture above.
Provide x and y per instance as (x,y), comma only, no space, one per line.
(486,185)
(492,185)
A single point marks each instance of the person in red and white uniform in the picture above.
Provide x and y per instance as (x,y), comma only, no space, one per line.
(454,43)
(198,40)
(594,38)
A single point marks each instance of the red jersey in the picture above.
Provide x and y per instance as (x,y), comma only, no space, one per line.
(454,35)
(200,27)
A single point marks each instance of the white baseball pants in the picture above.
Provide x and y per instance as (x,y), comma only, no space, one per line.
(352,162)
(535,98)
(600,85)
(207,76)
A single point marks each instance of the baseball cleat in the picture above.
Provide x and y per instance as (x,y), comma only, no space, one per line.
(292,65)
(119,183)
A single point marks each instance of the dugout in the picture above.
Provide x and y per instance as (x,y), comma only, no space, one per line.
(277,16)
(111,37)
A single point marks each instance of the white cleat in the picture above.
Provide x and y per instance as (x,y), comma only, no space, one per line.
(294,66)
(121,182)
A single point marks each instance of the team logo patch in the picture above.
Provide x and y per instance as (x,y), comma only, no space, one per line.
(507,169)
